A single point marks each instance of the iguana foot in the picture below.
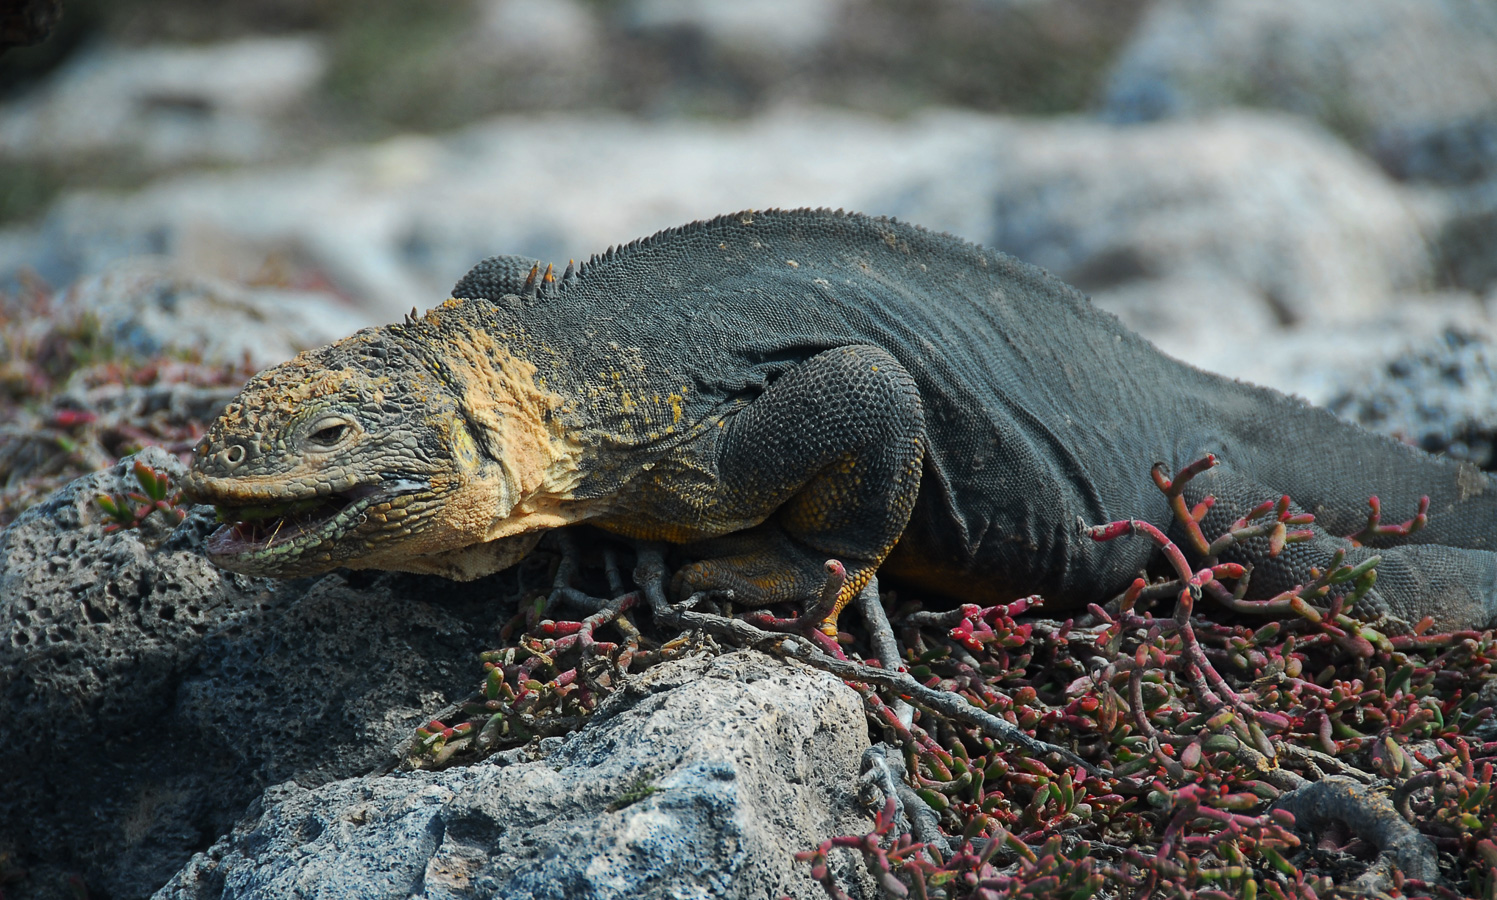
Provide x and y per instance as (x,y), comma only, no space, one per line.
(764,566)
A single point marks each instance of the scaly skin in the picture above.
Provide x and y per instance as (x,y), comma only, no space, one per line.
(356,454)
(773,389)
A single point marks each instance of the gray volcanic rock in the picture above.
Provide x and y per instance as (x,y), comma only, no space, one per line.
(1400,72)
(149,698)
(1440,396)
(146,697)
(168,104)
(96,631)
(147,306)
(750,760)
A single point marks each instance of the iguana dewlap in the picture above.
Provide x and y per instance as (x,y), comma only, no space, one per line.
(778,388)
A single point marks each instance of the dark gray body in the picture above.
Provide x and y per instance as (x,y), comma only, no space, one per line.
(1038,409)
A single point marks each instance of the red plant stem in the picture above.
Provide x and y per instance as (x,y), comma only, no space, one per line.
(1174,492)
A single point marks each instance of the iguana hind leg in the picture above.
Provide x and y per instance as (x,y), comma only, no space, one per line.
(826,461)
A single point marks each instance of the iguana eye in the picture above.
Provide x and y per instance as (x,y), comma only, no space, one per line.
(328,433)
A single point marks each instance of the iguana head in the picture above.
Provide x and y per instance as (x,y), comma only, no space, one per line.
(356,454)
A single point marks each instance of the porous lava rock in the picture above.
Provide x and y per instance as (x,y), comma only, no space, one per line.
(701,779)
(149,697)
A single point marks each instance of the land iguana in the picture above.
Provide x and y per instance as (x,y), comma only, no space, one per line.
(772,389)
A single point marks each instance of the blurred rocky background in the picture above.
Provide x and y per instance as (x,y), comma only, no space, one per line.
(1299,192)
(1270,188)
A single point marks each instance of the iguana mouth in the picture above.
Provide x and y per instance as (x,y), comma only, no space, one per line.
(266,532)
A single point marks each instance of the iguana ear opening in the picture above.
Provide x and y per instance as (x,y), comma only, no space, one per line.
(474,464)
(465,448)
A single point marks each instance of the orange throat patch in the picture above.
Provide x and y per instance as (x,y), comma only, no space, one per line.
(524,485)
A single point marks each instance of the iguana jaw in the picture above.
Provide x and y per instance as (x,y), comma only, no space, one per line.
(288,535)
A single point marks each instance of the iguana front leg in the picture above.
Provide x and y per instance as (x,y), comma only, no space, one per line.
(824,464)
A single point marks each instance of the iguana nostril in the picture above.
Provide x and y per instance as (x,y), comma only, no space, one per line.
(232,456)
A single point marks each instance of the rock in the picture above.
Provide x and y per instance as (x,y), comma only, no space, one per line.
(1281,209)
(749,760)
(539,31)
(148,697)
(1264,206)
(167,104)
(396,224)
(1413,83)
(1440,396)
(148,307)
(1238,223)
(1466,243)
(1319,361)
(1380,71)
(775,27)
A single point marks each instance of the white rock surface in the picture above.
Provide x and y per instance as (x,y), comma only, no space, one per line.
(167,103)
(779,27)
(148,307)
(1265,204)
(752,760)
(1361,67)
(397,223)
